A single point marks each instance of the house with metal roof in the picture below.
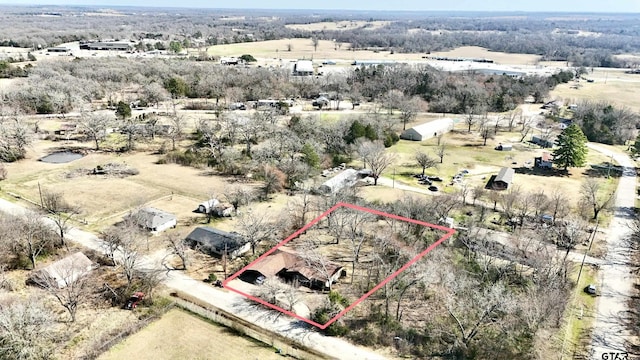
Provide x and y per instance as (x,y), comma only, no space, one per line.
(504,179)
(428,130)
(63,272)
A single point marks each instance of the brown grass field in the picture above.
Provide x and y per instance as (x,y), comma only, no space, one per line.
(180,335)
(303,49)
(610,85)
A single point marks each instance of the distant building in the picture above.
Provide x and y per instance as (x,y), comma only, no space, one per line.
(303,68)
(106,45)
(58,50)
(428,130)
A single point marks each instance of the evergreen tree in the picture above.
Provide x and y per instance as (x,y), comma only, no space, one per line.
(572,148)
(123,110)
(311,157)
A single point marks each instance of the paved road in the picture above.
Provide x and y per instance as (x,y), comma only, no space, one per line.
(615,277)
(226,300)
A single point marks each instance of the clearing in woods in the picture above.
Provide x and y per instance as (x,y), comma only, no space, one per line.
(179,333)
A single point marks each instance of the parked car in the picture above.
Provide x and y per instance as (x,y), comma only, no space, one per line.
(260,280)
(134,300)
(590,289)
(433,188)
(434,178)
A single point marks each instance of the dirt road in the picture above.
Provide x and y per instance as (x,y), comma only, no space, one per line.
(615,277)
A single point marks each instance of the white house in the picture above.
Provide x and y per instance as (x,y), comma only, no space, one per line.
(428,130)
(303,68)
(154,220)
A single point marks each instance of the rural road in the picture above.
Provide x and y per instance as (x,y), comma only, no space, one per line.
(615,278)
(223,299)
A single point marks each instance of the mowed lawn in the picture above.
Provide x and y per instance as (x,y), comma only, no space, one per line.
(180,335)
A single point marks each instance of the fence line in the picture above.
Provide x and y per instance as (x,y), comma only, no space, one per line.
(284,345)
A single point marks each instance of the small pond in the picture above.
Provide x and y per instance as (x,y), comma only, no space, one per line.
(61,157)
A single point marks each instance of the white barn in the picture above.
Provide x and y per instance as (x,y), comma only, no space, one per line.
(428,130)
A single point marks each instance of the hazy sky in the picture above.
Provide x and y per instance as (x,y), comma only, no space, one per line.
(425,5)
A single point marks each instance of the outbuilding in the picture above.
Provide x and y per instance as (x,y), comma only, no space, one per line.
(504,147)
(428,130)
(63,272)
(504,179)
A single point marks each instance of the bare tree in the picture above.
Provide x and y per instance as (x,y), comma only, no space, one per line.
(177,246)
(425,161)
(477,193)
(408,111)
(315,42)
(591,195)
(254,228)
(526,127)
(316,260)
(512,118)
(238,195)
(71,289)
(33,237)
(176,130)
(441,150)
(95,125)
(475,309)
(26,330)
(59,211)
(559,204)
(375,157)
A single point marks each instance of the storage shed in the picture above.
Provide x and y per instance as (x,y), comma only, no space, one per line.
(428,130)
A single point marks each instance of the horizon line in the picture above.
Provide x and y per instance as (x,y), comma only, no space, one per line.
(321,9)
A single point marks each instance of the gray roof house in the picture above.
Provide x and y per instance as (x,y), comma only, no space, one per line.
(428,130)
(64,271)
(215,242)
(504,179)
(154,220)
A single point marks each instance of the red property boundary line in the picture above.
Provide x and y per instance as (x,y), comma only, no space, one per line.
(448,233)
